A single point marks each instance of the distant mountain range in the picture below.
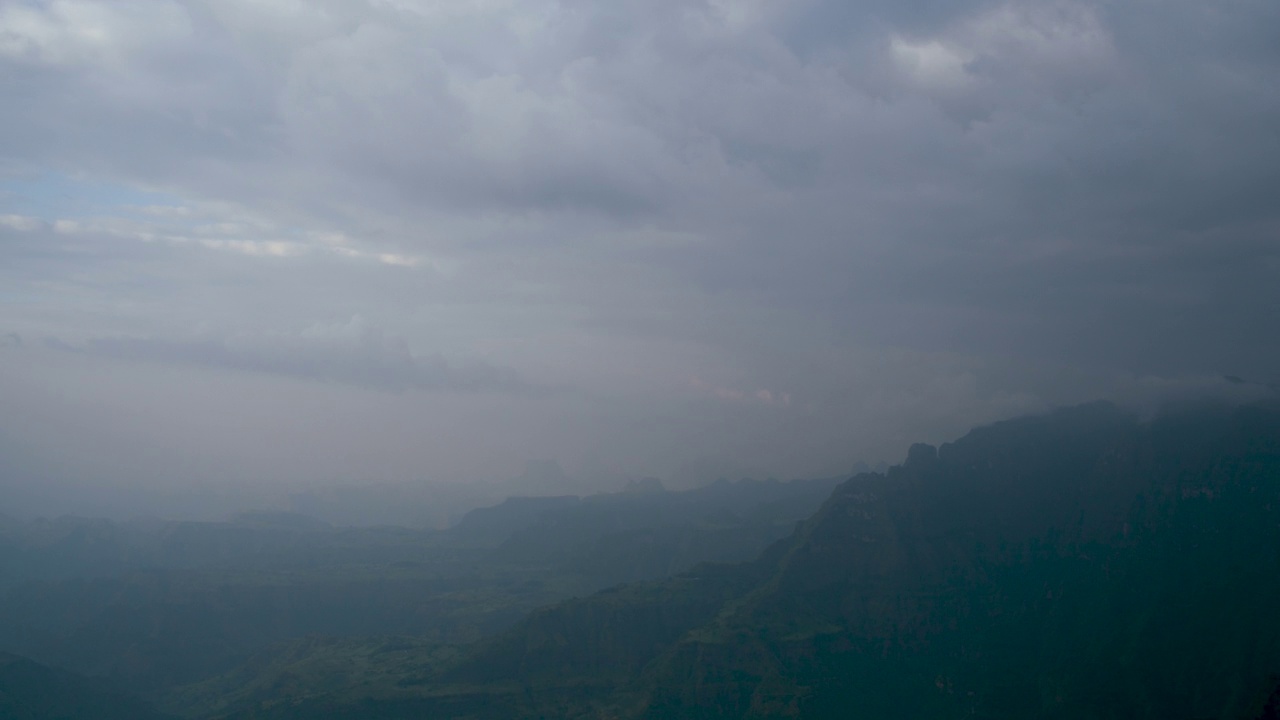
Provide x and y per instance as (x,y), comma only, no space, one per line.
(151,605)
(1077,565)
(1080,564)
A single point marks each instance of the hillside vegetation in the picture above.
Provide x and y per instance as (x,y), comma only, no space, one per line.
(1081,564)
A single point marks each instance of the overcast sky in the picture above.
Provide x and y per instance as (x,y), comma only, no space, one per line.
(353,240)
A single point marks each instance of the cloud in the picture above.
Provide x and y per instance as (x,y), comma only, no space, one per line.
(20,222)
(353,353)
(907,216)
(768,398)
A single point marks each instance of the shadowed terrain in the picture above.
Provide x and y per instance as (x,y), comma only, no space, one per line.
(1081,564)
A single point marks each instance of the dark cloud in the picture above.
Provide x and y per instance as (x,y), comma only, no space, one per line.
(906,217)
(354,353)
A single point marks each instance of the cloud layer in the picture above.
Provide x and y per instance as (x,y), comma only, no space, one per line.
(784,236)
(354,353)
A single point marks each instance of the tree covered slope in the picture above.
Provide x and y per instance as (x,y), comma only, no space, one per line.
(1077,565)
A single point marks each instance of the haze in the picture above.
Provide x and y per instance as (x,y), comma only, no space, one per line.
(268,244)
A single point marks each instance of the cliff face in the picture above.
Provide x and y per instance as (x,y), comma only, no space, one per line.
(1077,565)
(1083,564)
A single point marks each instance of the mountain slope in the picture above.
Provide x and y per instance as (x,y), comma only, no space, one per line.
(30,691)
(1081,564)
(1076,565)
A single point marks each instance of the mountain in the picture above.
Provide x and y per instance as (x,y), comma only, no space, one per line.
(152,605)
(494,524)
(30,691)
(1077,565)
(646,533)
(1081,564)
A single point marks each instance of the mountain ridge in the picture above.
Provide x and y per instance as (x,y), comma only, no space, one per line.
(1084,563)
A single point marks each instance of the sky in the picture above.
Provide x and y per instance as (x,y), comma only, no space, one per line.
(262,242)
